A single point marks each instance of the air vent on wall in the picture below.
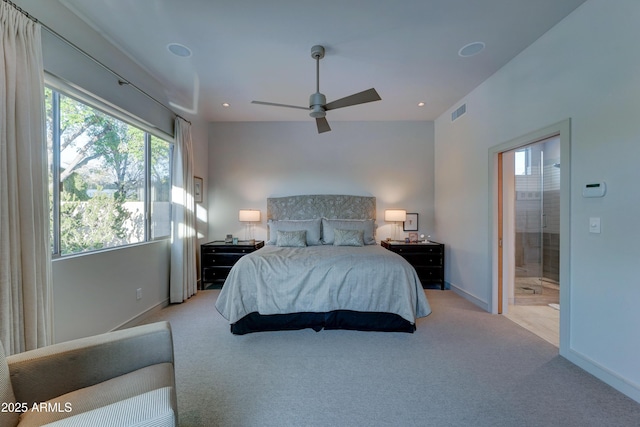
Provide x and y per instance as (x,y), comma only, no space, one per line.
(460,111)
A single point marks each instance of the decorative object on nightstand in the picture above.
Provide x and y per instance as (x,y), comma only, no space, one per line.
(217,258)
(427,259)
(395,215)
(249,217)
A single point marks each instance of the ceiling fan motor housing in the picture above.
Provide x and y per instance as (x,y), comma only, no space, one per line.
(316,103)
(317,52)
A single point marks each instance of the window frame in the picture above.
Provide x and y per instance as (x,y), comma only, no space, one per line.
(60,87)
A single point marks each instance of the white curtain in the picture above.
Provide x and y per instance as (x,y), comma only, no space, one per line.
(25,253)
(183,282)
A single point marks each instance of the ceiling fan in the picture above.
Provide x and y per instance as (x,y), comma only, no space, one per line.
(318,102)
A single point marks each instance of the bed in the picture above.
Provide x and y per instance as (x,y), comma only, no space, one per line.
(322,269)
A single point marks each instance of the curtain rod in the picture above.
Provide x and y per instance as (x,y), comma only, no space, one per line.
(121,80)
(21,10)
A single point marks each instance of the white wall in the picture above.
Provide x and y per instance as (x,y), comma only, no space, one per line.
(586,68)
(96,292)
(249,162)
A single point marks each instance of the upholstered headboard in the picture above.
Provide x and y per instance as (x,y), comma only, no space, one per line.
(321,205)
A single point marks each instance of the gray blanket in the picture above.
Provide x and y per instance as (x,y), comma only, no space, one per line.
(279,280)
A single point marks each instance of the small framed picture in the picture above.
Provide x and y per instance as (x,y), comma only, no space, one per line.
(411,223)
(413,237)
(197,189)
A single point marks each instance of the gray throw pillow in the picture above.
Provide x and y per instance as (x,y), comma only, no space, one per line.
(292,239)
(348,237)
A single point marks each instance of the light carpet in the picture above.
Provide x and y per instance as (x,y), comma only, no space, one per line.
(462,367)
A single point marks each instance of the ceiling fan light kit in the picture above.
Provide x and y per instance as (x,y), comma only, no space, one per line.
(318,102)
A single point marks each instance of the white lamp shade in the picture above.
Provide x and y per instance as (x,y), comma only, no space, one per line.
(249,215)
(396,215)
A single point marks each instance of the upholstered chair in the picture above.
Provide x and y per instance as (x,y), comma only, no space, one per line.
(121,378)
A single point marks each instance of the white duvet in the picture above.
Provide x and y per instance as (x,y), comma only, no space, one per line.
(282,280)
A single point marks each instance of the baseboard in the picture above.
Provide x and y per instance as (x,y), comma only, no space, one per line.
(137,319)
(466,295)
(607,376)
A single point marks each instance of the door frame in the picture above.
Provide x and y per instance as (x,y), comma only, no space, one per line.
(496,220)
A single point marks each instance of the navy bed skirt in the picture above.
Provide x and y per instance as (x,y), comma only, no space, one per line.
(339,319)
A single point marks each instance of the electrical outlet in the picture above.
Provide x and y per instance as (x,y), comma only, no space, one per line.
(138,293)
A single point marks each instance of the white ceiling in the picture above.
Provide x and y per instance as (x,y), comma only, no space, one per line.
(246,50)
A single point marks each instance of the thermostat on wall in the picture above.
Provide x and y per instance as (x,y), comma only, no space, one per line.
(596,189)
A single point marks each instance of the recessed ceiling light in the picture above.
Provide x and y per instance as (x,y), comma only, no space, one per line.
(226,104)
(471,49)
(179,50)
(420,104)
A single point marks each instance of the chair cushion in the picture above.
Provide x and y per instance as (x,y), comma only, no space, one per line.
(150,409)
(103,394)
(8,412)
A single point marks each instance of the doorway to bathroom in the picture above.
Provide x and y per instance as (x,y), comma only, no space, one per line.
(531,198)
(552,325)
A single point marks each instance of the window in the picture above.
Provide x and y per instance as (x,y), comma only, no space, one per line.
(110,181)
(160,195)
(523,161)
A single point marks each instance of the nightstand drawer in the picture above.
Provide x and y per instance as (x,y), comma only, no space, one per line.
(214,274)
(417,249)
(422,259)
(429,274)
(229,249)
(220,259)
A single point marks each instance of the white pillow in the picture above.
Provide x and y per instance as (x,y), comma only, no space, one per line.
(311,226)
(366,225)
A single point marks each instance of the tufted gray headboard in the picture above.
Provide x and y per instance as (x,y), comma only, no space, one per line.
(321,205)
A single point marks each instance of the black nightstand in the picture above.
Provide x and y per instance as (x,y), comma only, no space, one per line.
(217,258)
(426,258)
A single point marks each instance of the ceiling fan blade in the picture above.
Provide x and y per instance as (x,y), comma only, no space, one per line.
(323,124)
(365,96)
(273,104)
